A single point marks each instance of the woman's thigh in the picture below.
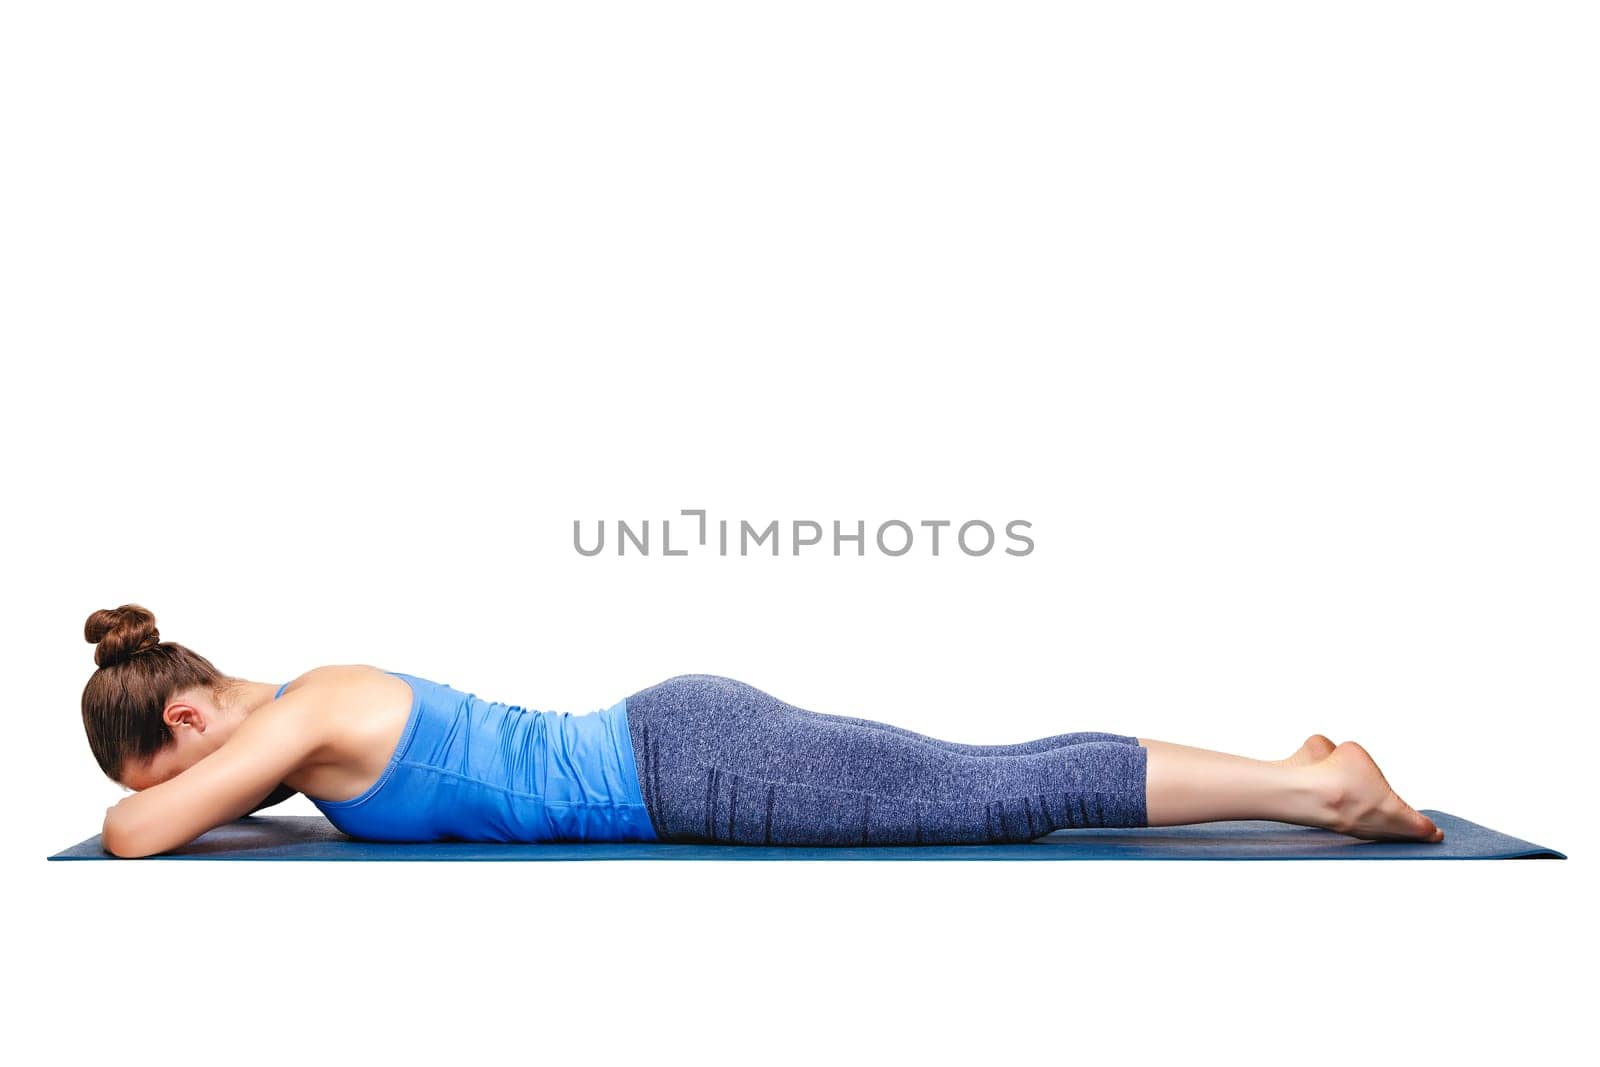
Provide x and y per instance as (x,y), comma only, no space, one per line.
(721,760)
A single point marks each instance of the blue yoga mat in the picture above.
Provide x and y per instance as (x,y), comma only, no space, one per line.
(311,837)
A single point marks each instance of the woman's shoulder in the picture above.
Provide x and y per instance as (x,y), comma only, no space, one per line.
(334,677)
(337,672)
(359,713)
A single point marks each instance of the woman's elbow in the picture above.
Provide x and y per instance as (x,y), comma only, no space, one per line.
(112,843)
(117,839)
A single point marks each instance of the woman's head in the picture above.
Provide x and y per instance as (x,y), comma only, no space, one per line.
(149,706)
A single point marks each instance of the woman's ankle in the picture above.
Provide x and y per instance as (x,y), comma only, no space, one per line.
(1314,796)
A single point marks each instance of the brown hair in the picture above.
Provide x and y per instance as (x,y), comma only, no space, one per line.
(124,700)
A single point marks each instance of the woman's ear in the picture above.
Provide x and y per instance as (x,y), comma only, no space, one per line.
(180,713)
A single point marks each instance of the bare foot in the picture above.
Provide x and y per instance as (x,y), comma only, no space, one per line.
(1316,747)
(1361,803)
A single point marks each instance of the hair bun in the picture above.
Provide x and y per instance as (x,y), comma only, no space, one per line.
(119,634)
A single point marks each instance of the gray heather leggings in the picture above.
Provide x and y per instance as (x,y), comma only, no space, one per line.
(721,761)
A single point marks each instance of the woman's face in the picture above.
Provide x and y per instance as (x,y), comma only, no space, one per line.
(198,729)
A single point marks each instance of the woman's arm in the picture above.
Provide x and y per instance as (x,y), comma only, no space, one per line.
(268,746)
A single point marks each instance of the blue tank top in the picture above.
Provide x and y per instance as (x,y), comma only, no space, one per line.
(468,769)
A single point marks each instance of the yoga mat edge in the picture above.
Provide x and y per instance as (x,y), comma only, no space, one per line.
(312,837)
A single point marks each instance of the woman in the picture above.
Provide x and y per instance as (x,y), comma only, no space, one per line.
(392,757)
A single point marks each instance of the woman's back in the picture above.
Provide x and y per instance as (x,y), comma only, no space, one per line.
(465,768)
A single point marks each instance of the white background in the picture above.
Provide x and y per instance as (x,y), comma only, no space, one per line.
(324,322)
